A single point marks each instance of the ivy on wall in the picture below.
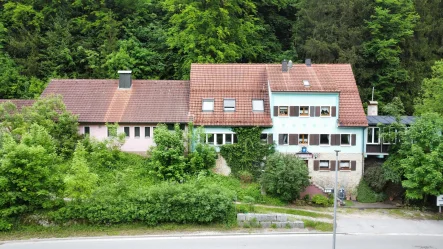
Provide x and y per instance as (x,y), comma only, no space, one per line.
(249,153)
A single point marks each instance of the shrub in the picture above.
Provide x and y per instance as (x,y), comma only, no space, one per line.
(202,158)
(374,176)
(245,176)
(166,202)
(320,200)
(285,176)
(366,195)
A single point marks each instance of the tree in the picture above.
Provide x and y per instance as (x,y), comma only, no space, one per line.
(391,24)
(79,181)
(167,157)
(212,31)
(29,175)
(285,176)
(417,162)
(432,98)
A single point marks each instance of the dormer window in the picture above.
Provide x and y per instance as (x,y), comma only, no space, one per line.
(229,105)
(257,105)
(208,105)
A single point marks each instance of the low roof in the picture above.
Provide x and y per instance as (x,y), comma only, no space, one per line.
(19,103)
(147,101)
(242,82)
(375,120)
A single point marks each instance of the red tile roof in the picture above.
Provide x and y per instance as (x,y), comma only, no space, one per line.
(147,101)
(19,103)
(242,82)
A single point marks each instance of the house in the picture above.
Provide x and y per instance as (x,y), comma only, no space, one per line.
(136,105)
(375,146)
(307,110)
(19,103)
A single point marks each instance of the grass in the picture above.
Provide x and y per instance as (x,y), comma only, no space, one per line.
(37,231)
(318,225)
(261,209)
(349,203)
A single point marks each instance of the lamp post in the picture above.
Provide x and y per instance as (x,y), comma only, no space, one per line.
(335,198)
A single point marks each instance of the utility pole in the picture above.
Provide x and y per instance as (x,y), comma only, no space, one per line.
(337,164)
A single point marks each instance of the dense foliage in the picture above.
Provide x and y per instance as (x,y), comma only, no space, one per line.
(374,176)
(391,44)
(366,195)
(249,153)
(285,176)
(166,202)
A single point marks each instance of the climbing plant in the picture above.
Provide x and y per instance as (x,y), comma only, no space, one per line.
(249,153)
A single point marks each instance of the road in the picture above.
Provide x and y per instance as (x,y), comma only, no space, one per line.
(281,241)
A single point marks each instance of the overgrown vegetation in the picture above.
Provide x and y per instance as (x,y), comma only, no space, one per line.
(285,176)
(249,153)
(366,195)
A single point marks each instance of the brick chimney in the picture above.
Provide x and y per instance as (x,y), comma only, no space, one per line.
(125,79)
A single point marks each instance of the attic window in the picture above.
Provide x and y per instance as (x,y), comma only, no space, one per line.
(306,83)
(257,105)
(229,105)
(208,105)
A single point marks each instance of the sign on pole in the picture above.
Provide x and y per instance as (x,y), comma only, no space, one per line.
(439,202)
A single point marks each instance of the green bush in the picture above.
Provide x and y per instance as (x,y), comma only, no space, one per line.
(166,202)
(375,178)
(245,176)
(202,158)
(285,176)
(320,200)
(366,195)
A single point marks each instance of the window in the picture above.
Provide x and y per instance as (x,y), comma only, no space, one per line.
(264,138)
(303,138)
(306,83)
(345,164)
(373,135)
(304,111)
(171,127)
(325,111)
(235,138)
(126,129)
(86,130)
(229,105)
(208,105)
(324,139)
(219,138)
(147,131)
(257,105)
(228,138)
(136,131)
(345,139)
(324,164)
(283,139)
(210,138)
(282,111)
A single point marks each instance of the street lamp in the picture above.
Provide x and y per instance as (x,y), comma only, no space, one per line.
(337,164)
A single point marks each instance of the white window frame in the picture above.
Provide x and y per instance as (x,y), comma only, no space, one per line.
(287,108)
(208,101)
(84,130)
(329,140)
(300,112)
(129,131)
(139,132)
(348,162)
(350,138)
(259,102)
(373,135)
(307,139)
(324,167)
(287,138)
(329,109)
(150,128)
(224,138)
(229,108)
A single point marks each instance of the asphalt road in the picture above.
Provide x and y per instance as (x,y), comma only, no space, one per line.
(283,241)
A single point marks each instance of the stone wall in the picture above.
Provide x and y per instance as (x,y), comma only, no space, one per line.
(267,221)
(348,180)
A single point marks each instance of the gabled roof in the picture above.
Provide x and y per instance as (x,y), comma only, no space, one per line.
(242,82)
(375,120)
(19,103)
(147,101)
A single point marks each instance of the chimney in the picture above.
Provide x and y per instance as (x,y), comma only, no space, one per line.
(308,62)
(284,66)
(373,108)
(125,80)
